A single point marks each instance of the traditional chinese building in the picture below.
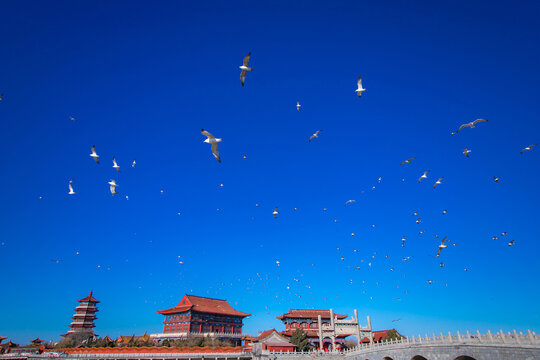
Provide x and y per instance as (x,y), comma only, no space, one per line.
(269,340)
(82,326)
(307,319)
(201,316)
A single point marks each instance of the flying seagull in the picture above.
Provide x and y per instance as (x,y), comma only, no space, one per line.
(316,135)
(444,212)
(72,119)
(115,165)
(408,161)
(133,164)
(438,182)
(471,124)
(210,139)
(528,148)
(298,105)
(442,246)
(112,187)
(349,202)
(424,176)
(360,89)
(94,155)
(466,152)
(496,179)
(511,243)
(1,96)
(275,213)
(430,282)
(245,68)
(418,221)
(71,192)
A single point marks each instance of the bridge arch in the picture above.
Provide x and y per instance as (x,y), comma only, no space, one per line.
(387,358)
(418,357)
(464,357)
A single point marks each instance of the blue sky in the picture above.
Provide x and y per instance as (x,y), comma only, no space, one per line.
(142,79)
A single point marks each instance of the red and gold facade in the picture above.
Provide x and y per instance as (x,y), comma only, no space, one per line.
(202,316)
(83,321)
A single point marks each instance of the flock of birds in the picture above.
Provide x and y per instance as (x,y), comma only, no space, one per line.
(214,147)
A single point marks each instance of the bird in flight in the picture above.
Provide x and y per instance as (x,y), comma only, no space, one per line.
(112,187)
(444,212)
(471,124)
(438,182)
(349,202)
(396,320)
(94,155)
(1,96)
(424,176)
(466,152)
(275,213)
(430,282)
(298,105)
(316,135)
(418,221)
(441,246)
(360,89)
(496,179)
(56,261)
(115,165)
(441,264)
(511,243)
(72,119)
(71,192)
(528,148)
(245,68)
(494,237)
(133,164)
(408,161)
(210,139)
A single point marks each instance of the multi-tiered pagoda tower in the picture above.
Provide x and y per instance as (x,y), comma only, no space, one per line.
(82,327)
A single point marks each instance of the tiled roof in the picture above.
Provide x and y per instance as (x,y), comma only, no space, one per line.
(310,333)
(309,314)
(89,298)
(205,305)
(152,349)
(280,343)
(264,334)
(379,335)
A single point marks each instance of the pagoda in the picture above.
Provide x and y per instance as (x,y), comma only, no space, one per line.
(83,320)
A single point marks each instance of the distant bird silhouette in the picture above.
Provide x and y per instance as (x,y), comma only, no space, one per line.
(210,139)
(71,192)
(94,155)
(298,105)
(115,165)
(316,135)
(245,68)
(408,161)
(471,124)
(466,152)
(360,89)
(424,176)
(528,148)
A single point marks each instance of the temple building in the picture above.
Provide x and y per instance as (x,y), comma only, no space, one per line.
(196,316)
(269,340)
(307,319)
(82,326)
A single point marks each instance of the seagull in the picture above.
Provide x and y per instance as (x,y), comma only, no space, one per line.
(471,124)
(112,187)
(438,182)
(424,176)
(245,68)
(441,265)
(275,213)
(418,221)
(1,96)
(210,139)
(133,163)
(442,246)
(71,192)
(316,135)
(528,148)
(56,261)
(72,119)
(408,161)
(495,238)
(496,179)
(511,243)
(115,165)
(298,105)
(504,233)
(349,202)
(430,282)
(466,152)
(403,241)
(444,212)
(396,320)
(360,89)
(94,155)
(161,191)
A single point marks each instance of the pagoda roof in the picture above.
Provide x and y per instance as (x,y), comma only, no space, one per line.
(89,298)
(309,314)
(10,344)
(309,333)
(36,341)
(2,338)
(204,305)
(108,339)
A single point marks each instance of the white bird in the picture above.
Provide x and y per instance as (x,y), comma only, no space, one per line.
(424,176)
(275,213)
(471,125)
(418,221)
(133,163)
(245,68)
(430,282)
(408,161)
(438,182)
(496,179)
(72,119)
(298,105)
(94,155)
(210,139)
(349,202)
(115,165)
(71,192)
(511,243)
(444,212)
(316,135)
(528,148)
(360,89)
(441,246)
(466,152)
(112,187)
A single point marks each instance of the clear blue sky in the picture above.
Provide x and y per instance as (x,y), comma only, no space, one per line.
(142,79)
